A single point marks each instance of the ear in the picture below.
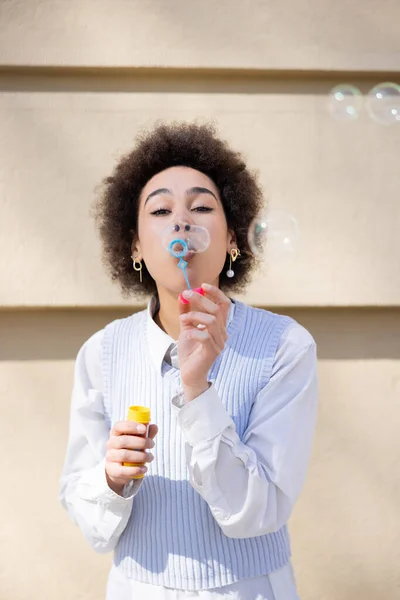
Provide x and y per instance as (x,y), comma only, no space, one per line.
(231,241)
(136,250)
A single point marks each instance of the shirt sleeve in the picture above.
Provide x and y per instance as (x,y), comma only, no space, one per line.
(100,513)
(252,484)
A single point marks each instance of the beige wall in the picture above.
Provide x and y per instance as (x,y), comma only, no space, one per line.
(77,80)
(251,34)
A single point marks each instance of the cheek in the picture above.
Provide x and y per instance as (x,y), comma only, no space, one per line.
(150,238)
(154,254)
(216,252)
(218,234)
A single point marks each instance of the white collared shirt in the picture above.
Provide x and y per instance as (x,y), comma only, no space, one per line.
(282,426)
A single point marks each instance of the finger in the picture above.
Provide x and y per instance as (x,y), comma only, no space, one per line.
(129,456)
(214,335)
(216,295)
(182,298)
(201,303)
(128,428)
(206,339)
(131,442)
(194,318)
(183,303)
(203,321)
(183,308)
(153,430)
(118,471)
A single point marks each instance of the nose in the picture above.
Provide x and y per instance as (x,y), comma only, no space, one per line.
(182,214)
(182,226)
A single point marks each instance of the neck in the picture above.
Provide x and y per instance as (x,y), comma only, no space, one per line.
(168,315)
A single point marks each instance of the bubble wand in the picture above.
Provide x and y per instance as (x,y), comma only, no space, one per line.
(182,264)
(193,239)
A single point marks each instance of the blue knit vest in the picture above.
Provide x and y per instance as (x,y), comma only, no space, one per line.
(171,538)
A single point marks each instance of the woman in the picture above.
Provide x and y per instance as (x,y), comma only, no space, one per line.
(232,390)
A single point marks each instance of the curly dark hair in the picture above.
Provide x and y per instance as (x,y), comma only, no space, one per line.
(168,145)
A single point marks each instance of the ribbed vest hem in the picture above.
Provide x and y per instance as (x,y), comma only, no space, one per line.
(213,579)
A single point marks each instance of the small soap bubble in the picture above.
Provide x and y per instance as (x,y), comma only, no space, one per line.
(345,102)
(182,238)
(257,235)
(383,103)
(273,235)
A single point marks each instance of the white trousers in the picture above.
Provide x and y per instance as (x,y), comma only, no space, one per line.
(279,585)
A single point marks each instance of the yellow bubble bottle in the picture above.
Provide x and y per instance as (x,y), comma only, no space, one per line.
(139,414)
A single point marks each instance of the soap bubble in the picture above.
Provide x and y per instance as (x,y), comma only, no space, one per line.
(383,103)
(274,235)
(182,239)
(345,102)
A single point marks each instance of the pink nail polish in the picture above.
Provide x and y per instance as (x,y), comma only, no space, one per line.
(183,300)
(198,290)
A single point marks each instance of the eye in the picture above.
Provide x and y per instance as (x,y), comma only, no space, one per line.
(161,212)
(202,209)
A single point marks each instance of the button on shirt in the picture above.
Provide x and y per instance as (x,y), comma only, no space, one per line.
(270,461)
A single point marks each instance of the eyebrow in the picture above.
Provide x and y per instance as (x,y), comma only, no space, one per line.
(200,190)
(189,192)
(157,192)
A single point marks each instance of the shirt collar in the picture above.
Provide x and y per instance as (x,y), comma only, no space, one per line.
(159,342)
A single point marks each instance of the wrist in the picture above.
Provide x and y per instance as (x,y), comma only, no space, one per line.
(191,392)
(117,488)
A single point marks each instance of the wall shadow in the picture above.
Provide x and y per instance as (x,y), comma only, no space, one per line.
(341,333)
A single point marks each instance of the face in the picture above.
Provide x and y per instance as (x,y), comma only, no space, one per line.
(181,194)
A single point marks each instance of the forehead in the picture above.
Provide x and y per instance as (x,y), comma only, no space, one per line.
(179,179)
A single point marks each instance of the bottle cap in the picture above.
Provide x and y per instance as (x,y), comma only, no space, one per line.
(140,414)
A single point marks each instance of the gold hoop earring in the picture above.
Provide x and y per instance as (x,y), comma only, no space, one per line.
(138,267)
(233,255)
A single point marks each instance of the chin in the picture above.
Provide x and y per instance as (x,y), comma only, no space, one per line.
(174,281)
(178,285)
(196,278)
